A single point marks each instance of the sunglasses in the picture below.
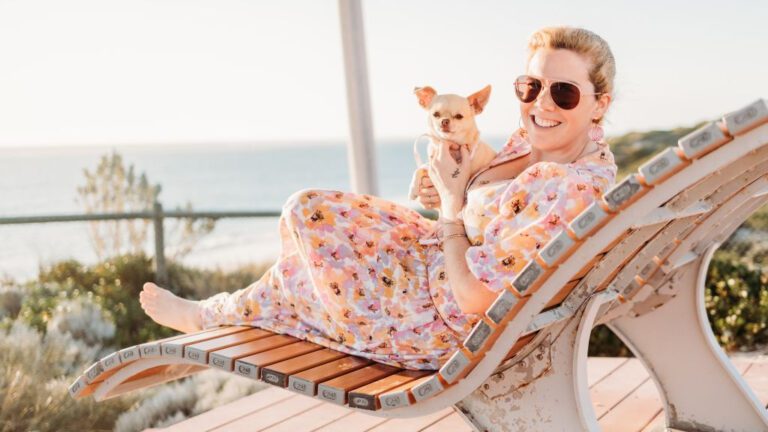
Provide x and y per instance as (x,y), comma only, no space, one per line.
(565,95)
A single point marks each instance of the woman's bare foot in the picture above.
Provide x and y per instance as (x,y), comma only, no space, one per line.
(167,309)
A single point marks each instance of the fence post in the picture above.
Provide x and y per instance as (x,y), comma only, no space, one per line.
(157,219)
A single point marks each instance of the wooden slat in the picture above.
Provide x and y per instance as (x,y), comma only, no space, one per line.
(280,354)
(306,381)
(336,389)
(288,367)
(405,389)
(226,358)
(250,365)
(88,389)
(371,391)
(198,352)
(176,346)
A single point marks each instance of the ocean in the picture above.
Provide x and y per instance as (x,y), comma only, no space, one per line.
(44,181)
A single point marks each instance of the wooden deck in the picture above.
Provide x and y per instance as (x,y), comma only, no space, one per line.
(623,394)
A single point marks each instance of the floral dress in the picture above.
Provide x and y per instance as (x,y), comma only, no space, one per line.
(353,276)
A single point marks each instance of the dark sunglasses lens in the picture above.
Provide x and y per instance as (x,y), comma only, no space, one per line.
(565,95)
(527,89)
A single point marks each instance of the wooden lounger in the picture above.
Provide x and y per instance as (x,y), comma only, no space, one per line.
(636,261)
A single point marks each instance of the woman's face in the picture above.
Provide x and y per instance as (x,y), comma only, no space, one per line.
(567,128)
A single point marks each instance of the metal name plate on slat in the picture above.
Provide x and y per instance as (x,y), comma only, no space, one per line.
(220,362)
(454,366)
(623,192)
(300,385)
(501,306)
(395,399)
(477,337)
(702,140)
(660,166)
(331,394)
(150,350)
(77,386)
(173,350)
(587,220)
(94,371)
(129,354)
(111,361)
(427,388)
(556,248)
(366,402)
(746,118)
(247,370)
(196,355)
(273,378)
(527,277)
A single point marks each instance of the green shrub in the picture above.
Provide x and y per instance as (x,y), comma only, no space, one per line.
(115,285)
(54,328)
(737,304)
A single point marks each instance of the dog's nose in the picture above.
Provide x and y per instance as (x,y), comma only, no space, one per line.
(445,122)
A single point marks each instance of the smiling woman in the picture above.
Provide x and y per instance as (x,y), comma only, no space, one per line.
(577,69)
(353,276)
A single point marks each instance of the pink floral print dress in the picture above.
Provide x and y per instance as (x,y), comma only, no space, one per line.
(353,276)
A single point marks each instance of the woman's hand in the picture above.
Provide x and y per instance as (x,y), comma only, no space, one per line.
(423,189)
(449,178)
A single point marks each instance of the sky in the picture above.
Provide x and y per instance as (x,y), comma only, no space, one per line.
(106,72)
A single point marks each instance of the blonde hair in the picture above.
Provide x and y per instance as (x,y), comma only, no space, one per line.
(580,41)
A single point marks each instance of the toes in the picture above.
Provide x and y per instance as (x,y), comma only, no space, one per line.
(150,287)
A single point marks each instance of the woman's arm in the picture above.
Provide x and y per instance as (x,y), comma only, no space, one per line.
(450,177)
(471,295)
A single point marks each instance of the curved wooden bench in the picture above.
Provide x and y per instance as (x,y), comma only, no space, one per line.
(635,260)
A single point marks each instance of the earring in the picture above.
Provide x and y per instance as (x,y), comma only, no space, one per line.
(595,132)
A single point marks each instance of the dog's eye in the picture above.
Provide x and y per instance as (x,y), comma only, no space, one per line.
(436,114)
(458,116)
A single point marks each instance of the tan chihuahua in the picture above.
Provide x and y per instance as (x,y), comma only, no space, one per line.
(452,118)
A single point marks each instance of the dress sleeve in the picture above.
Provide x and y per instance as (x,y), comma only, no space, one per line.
(535,207)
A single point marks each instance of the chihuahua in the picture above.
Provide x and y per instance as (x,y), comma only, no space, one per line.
(452,118)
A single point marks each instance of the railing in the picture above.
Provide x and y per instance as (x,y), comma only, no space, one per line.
(157,214)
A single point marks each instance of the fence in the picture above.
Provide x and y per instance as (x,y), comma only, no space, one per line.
(157,214)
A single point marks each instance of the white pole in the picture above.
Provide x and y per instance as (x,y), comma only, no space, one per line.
(362,164)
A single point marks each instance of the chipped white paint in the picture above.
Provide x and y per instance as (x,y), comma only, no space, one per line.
(547,389)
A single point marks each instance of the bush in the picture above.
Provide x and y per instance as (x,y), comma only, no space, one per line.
(37,370)
(55,327)
(115,285)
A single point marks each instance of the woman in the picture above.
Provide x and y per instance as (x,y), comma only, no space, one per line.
(352,274)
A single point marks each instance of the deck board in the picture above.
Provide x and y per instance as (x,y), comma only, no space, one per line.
(656,424)
(623,395)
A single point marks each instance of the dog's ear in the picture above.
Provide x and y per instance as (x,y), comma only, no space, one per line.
(425,95)
(478,100)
